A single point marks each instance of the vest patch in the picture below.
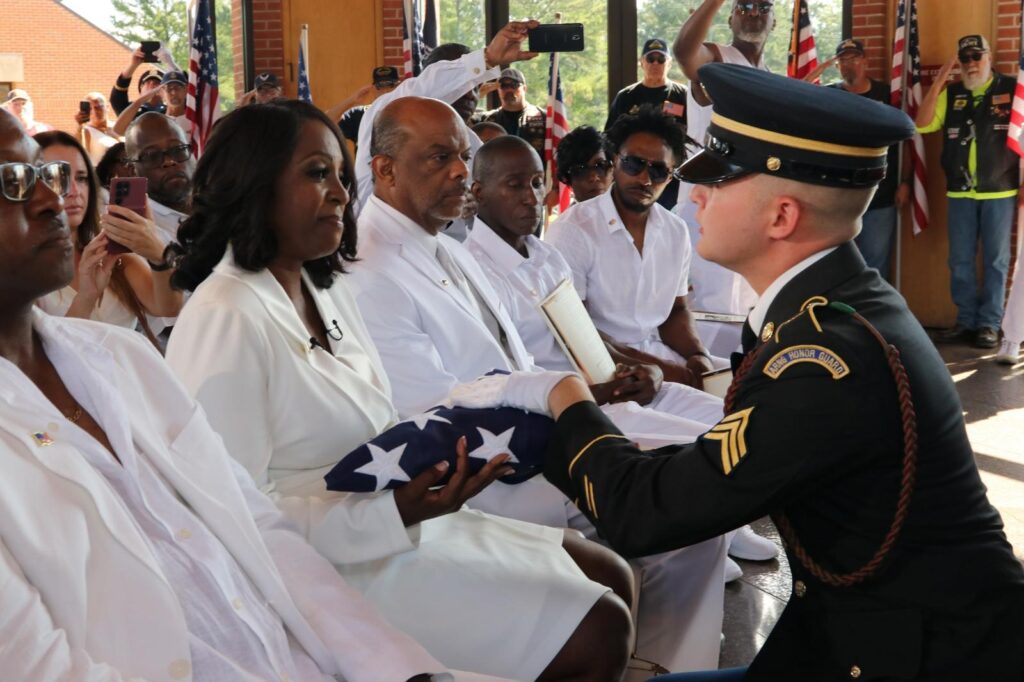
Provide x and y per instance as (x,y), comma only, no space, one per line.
(959,103)
(1001,99)
(819,355)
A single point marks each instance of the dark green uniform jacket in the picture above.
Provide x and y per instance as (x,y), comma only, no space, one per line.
(815,433)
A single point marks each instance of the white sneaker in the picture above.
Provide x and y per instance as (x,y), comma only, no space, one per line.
(732,570)
(1009,352)
(746,544)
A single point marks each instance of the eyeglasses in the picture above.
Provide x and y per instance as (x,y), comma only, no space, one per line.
(971,57)
(655,58)
(657,171)
(154,158)
(748,7)
(580,170)
(17,180)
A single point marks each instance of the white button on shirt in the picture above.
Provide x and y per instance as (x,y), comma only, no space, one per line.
(628,294)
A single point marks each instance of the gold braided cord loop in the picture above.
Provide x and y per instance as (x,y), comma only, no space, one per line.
(908,476)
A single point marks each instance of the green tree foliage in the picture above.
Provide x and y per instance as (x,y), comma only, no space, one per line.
(166,21)
(584,75)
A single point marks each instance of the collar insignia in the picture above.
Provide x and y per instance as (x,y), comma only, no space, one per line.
(766,332)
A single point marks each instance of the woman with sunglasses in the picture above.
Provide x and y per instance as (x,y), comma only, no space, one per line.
(273,346)
(110,286)
(583,164)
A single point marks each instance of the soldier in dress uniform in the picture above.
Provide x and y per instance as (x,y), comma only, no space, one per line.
(842,421)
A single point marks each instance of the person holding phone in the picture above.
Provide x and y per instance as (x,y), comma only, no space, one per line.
(96,129)
(122,288)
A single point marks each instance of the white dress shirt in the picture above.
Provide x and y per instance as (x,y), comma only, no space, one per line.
(629,294)
(167,220)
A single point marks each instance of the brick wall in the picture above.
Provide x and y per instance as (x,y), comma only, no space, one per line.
(55,77)
(392,17)
(267,37)
(1006,41)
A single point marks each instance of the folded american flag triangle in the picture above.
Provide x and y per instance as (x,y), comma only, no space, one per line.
(412,446)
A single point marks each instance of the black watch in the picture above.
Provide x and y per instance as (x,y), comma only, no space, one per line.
(159,267)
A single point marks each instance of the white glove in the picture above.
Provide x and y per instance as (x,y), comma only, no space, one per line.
(524,390)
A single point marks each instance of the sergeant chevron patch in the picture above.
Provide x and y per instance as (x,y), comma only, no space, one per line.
(731,433)
(819,355)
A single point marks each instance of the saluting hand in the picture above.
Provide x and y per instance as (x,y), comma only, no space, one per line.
(417,500)
(507,45)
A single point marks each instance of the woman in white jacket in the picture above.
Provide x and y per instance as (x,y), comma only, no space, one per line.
(272,345)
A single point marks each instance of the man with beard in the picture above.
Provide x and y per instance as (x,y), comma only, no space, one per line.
(159,152)
(630,256)
(982,181)
(875,240)
(517,116)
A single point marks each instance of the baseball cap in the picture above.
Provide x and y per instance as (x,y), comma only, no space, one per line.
(972,43)
(655,45)
(385,75)
(512,74)
(18,93)
(174,77)
(149,75)
(266,79)
(850,45)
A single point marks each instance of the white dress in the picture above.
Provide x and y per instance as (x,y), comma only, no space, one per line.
(481,593)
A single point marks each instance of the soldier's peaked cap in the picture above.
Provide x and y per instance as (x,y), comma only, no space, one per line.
(764,123)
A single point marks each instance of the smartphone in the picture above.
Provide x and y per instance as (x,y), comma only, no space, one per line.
(149,48)
(130,193)
(556,38)
(85,106)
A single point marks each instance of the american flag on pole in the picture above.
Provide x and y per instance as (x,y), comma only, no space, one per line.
(305,94)
(412,38)
(202,104)
(908,81)
(1017,114)
(556,125)
(803,57)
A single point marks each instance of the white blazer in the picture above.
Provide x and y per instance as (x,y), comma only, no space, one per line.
(82,596)
(241,350)
(426,332)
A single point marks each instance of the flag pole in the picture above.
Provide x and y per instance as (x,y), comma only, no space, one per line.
(897,275)
(549,182)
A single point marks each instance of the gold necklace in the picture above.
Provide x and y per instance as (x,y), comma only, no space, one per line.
(75,414)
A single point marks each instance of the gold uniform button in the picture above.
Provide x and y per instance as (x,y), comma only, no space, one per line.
(179,669)
(855,672)
(767,331)
(799,588)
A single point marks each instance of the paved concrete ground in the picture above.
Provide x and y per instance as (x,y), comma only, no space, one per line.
(993,401)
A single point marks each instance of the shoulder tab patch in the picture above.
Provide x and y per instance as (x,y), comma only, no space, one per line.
(819,355)
(731,433)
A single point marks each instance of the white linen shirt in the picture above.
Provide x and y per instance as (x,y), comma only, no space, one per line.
(167,220)
(521,284)
(628,294)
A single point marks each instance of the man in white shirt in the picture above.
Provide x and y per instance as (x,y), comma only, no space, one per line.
(436,321)
(133,547)
(630,256)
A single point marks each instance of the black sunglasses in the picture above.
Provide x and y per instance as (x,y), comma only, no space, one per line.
(154,158)
(971,57)
(747,7)
(655,57)
(580,170)
(657,171)
(17,180)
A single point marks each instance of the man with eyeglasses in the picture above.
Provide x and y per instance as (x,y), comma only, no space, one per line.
(517,116)
(630,257)
(159,152)
(982,182)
